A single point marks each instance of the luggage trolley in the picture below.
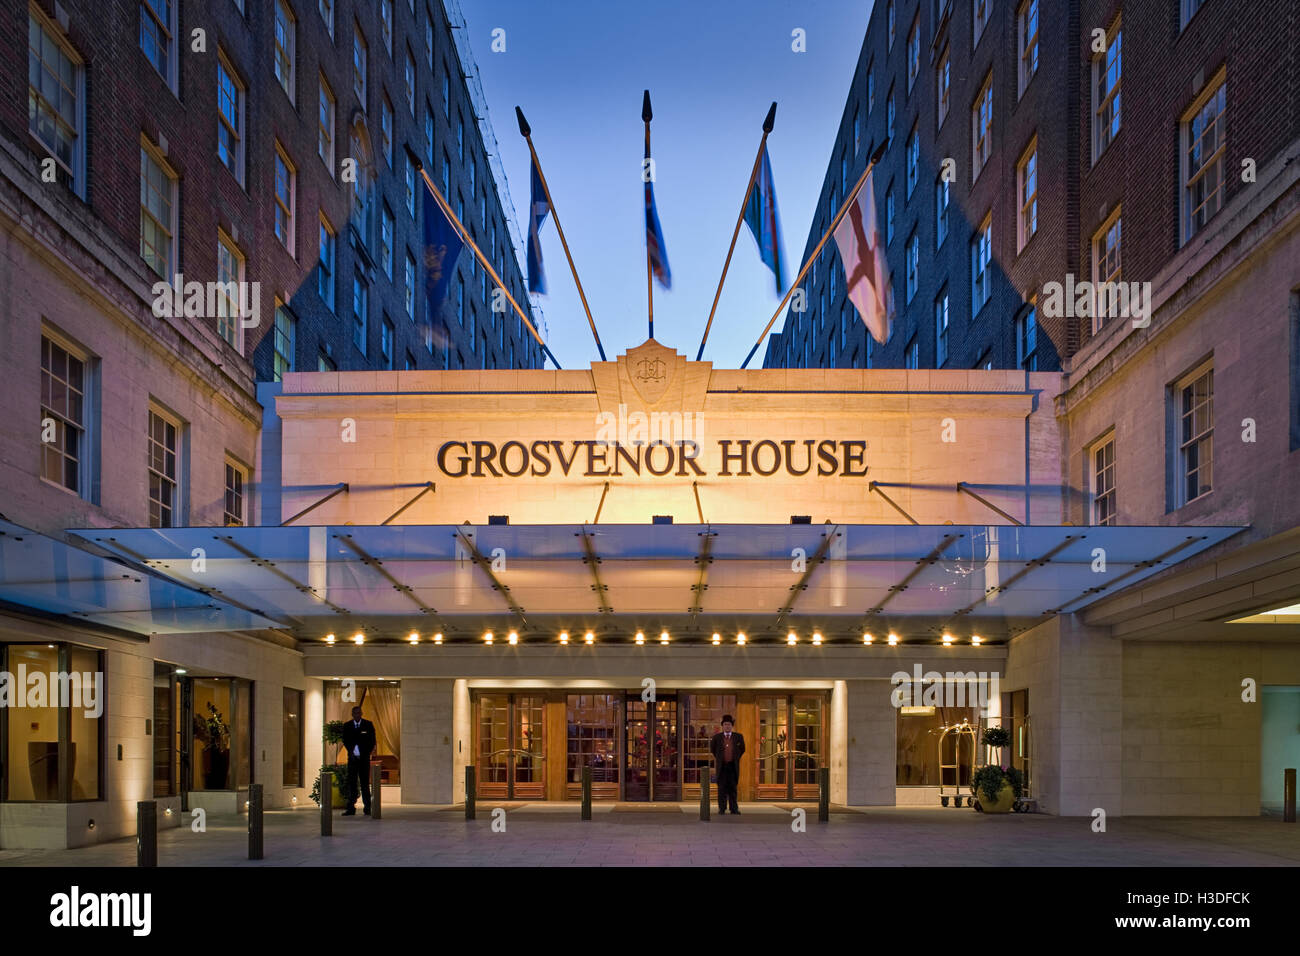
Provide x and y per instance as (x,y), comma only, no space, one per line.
(962,733)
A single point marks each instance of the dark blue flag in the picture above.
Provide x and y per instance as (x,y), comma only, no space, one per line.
(654,235)
(442,247)
(764,223)
(538,211)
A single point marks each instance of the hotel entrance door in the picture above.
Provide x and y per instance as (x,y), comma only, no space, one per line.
(651,753)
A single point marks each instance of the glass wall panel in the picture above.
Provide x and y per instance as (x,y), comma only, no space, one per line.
(32,750)
(593,737)
(84,724)
(381,704)
(773,737)
(918,746)
(529,740)
(213,712)
(291,734)
(164,732)
(1279,742)
(807,739)
(702,717)
(243,734)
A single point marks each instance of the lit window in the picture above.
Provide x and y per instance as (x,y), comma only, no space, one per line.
(284,47)
(230,277)
(1027,40)
(325,267)
(285,328)
(1204,145)
(1101,458)
(359,306)
(1106,69)
(164,481)
(943,80)
(285,182)
(326,125)
(158,221)
(158,37)
(1194,396)
(981,260)
(1027,189)
(359,57)
(981,124)
(236,478)
(56,98)
(64,403)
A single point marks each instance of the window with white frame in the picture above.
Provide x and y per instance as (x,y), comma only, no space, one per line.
(164,470)
(1107,266)
(1194,408)
(233,510)
(386,128)
(1027,336)
(410,286)
(56,98)
(1101,481)
(408,78)
(230,118)
(1027,43)
(914,52)
(158,37)
(941,329)
(1027,191)
(980,19)
(230,279)
(386,24)
(981,265)
(387,227)
(981,127)
(65,417)
(1106,74)
(325,124)
(913,160)
(285,341)
(286,181)
(942,199)
(1204,145)
(360,55)
(326,8)
(158,213)
(943,84)
(913,265)
(285,30)
(360,299)
(325,265)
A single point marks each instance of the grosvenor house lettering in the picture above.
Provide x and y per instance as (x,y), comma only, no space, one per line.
(739,458)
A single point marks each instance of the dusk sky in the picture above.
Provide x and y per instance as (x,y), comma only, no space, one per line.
(577,68)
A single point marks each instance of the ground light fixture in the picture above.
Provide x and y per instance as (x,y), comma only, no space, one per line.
(487,637)
(717,638)
(817,638)
(437,638)
(868,639)
(589,637)
(358,638)
(513,637)
(740,638)
(564,637)
(640,637)
(976,640)
(663,637)
(792,638)
(414,637)
(893,639)
(947,640)
(329,638)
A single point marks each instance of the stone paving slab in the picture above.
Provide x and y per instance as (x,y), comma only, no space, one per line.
(547,835)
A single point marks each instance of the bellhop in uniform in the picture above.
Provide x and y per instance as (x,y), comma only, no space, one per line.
(727,748)
(359,739)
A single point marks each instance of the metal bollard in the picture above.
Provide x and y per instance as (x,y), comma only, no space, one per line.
(255,822)
(824,795)
(1288,795)
(469,792)
(586,793)
(146,833)
(704,793)
(376,790)
(326,802)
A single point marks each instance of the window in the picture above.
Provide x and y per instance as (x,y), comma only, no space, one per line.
(236,479)
(44,734)
(889,214)
(912,355)
(284,46)
(941,329)
(871,88)
(386,229)
(913,265)
(942,198)
(1027,337)
(1027,190)
(408,78)
(285,333)
(913,160)
(913,53)
(428,37)
(981,259)
(943,83)
(291,738)
(981,127)
(428,135)
(164,474)
(325,124)
(325,267)
(1101,473)
(857,132)
(386,128)
(1189,8)
(325,364)
(410,365)
(446,93)
(65,451)
(285,187)
(359,304)
(980,18)
(158,220)
(56,99)
(359,55)
(230,278)
(158,37)
(460,306)
(410,187)
(889,14)
(410,286)
(1204,145)
(386,343)
(1194,397)
(446,173)
(1027,43)
(230,119)
(1106,265)
(386,24)
(1105,86)
(460,136)
(326,8)
(889,115)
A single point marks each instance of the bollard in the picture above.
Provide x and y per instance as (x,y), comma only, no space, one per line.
(469,792)
(255,821)
(146,833)
(824,795)
(586,793)
(376,790)
(704,793)
(1288,795)
(326,801)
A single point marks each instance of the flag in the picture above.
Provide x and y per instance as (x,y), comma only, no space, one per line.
(442,247)
(764,223)
(654,235)
(858,237)
(539,210)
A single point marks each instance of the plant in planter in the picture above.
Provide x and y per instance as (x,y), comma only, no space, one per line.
(214,733)
(997,787)
(333,735)
(338,780)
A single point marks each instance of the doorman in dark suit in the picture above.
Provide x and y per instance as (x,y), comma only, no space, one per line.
(727,748)
(359,739)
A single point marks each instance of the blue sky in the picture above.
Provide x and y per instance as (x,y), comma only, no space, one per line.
(577,68)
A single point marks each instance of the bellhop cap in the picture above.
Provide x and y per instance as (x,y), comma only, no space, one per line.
(726,719)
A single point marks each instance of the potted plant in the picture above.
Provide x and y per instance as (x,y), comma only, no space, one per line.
(997,786)
(338,780)
(214,733)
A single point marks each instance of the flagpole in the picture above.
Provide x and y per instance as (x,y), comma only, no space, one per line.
(527,133)
(849,200)
(646,114)
(478,254)
(768,123)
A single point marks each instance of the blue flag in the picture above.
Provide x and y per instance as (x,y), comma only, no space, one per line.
(764,223)
(539,210)
(442,247)
(654,235)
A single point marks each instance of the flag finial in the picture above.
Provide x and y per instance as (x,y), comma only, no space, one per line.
(646,114)
(524,128)
(770,120)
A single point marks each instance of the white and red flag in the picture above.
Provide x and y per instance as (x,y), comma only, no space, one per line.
(863,256)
